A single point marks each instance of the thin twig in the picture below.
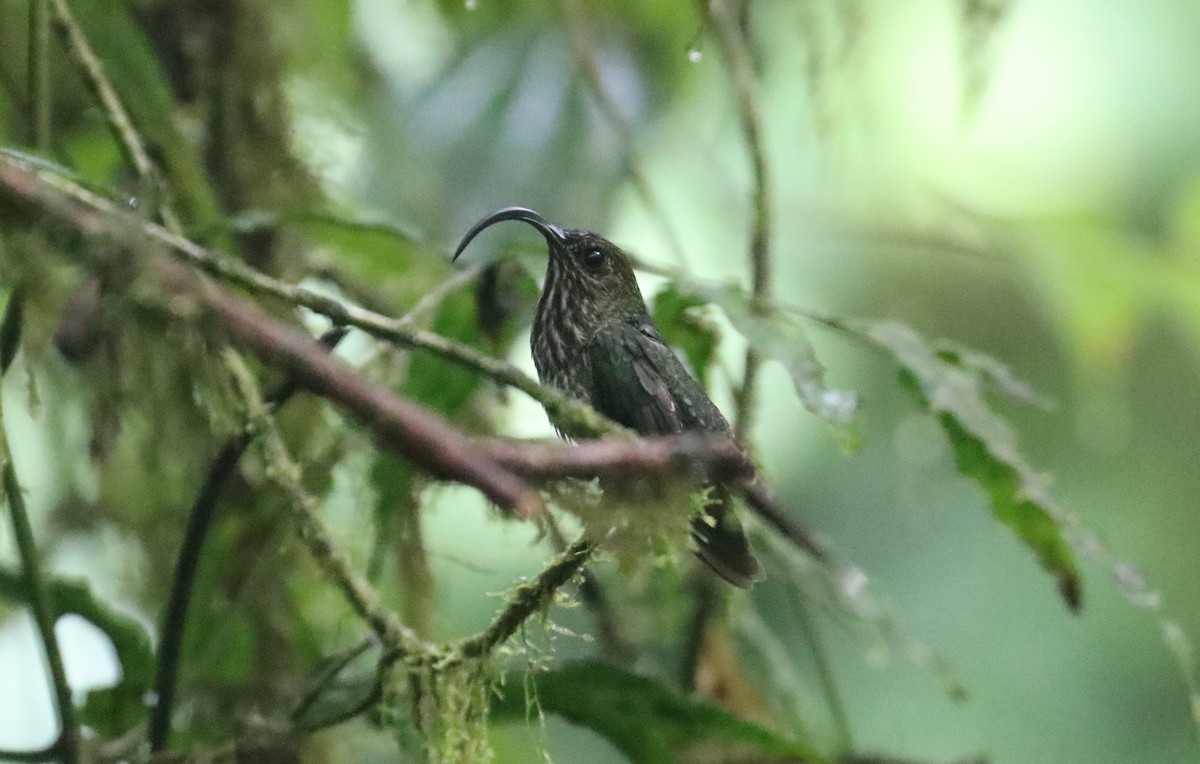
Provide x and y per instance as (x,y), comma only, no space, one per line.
(328,674)
(824,666)
(115,113)
(528,598)
(38,63)
(741,74)
(94,215)
(43,614)
(436,296)
(764,503)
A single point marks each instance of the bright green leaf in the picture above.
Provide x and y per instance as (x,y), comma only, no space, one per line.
(648,721)
(985,449)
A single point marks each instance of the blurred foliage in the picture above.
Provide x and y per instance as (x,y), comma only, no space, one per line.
(941,165)
(646,721)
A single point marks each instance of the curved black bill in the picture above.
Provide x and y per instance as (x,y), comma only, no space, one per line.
(553,233)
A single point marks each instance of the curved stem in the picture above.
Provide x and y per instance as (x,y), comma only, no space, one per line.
(200,518)
(824,666)
(43,613)
(579,34)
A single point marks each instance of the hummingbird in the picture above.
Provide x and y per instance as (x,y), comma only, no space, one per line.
(594,340)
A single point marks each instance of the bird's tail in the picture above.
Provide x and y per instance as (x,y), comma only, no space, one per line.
(721,543)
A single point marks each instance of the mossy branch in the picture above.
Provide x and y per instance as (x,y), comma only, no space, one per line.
(528,598)
(95,215)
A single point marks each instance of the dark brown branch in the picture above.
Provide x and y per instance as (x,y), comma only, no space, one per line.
(94,215)
(175,618)
(408,429)
(412,431)
(764,503)
(691,457)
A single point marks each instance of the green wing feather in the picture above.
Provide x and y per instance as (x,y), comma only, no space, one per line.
(638,382)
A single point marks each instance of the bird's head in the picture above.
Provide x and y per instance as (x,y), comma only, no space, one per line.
(587,273)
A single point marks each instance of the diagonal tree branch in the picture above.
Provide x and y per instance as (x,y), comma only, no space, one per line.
(284,472)
(412,431)
(95,215)
(527,600)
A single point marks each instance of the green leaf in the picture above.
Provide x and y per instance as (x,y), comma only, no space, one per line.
(777,336)
(678,318)
(375,251)
(112,710)
(440,384)
(130,639)
(134,70)
(644,719)
(995,374)
(505,294)
(985,449)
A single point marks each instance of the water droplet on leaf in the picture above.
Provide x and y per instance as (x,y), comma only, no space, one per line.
(694,55)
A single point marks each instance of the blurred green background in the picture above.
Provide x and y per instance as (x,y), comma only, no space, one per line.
(1023,178)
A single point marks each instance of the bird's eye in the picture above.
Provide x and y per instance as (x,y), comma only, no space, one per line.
(594,260)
